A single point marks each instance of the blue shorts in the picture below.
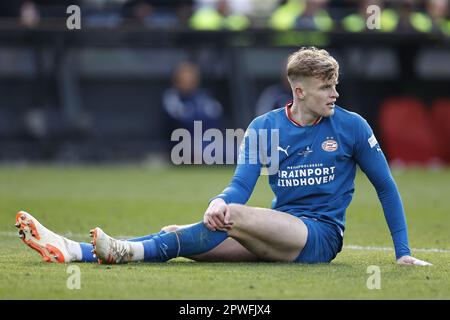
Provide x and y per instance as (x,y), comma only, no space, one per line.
(324,242)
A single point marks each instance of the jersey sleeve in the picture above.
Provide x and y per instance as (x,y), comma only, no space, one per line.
(370,158)
(247,170)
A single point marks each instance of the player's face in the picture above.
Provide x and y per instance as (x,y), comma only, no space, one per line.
(318,96)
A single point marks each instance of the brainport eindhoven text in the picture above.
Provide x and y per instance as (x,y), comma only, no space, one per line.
(301,176)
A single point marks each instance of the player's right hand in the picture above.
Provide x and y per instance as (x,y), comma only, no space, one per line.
(214,217)
(408,260)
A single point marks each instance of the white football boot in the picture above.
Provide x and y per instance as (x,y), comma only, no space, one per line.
(109,250)
(52,247)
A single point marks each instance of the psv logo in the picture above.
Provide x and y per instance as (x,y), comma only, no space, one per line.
(329,145)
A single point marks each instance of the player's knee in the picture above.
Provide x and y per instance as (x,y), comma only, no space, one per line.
(237,212)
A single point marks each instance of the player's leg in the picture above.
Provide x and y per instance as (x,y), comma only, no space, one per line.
(228,251)
(51,246)
(270,235)
(147,237)
(161,232)
(184,242)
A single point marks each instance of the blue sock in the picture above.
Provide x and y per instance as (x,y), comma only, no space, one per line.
(182,243)
(144,238)
(87,255)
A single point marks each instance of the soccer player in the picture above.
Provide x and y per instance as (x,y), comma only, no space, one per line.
(318,147)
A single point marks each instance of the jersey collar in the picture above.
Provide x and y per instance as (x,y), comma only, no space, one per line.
(291,118)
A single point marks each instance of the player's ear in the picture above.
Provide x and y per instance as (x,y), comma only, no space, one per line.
(299,92)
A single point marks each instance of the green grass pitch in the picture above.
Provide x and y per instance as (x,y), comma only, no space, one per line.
(133,201)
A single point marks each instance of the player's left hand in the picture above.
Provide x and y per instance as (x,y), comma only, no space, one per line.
(408,260)
(215,215)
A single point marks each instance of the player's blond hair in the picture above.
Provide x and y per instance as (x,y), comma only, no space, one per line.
(312,62)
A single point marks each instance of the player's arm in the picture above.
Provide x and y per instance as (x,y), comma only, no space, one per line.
(238,191)
(372,161)
(240,188)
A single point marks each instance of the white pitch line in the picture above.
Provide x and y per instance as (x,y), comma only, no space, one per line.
(347,247)
(370,248)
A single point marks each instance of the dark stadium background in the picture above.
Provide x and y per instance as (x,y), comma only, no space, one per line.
(94,95)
